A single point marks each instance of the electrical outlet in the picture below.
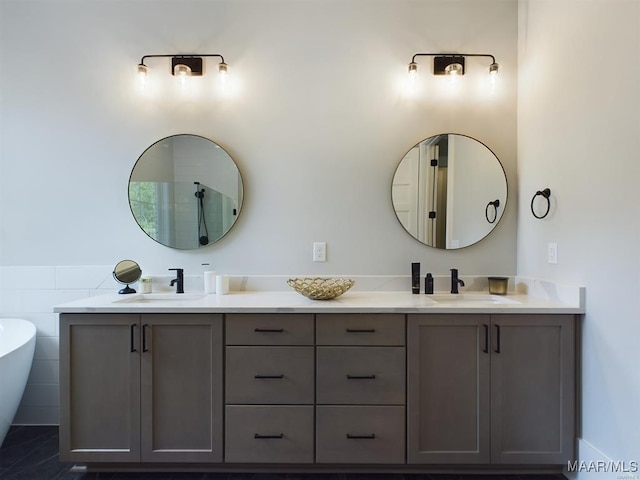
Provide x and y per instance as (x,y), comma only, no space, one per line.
(319,251)
(552,251)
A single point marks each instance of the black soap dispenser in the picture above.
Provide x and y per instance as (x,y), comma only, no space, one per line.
(415,277)
(428,284)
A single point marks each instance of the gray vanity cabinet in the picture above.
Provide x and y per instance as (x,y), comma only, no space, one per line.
(269,388)
(532,389)
(99,388)
(448,389)
(360,388)
(181,388)
(141,388)
(493,389)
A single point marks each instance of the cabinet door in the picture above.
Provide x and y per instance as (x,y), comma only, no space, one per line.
(99,388)
(181,388)
(532,389)
(448,389)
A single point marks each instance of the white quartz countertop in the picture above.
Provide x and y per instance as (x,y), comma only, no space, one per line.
(292,302)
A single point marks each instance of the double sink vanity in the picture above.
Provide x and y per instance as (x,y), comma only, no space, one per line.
(273,381)
(265,380)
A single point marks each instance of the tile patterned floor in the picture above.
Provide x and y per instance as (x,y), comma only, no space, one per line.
(31,453)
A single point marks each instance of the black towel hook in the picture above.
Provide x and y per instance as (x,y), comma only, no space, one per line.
(495,204)
(546,193)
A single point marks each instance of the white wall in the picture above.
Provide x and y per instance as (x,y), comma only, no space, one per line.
(317,123)
(317,126)
(578,126)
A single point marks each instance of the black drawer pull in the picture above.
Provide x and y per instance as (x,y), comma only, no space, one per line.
(361,377)
(268,330)
(486,338)
(361,330)
(258,375)
(145,348)
(259,436)
(371,436)
(133,337)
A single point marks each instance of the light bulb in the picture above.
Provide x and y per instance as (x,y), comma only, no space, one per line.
(223,71)
(143,72)
(182,72)
(493,77)
(413,72)
(453,69)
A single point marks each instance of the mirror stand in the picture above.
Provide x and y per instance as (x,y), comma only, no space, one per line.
(126,289)
(127,272)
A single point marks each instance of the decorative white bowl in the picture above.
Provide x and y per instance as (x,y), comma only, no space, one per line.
(320,288)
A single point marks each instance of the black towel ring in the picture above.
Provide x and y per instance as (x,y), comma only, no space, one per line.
(546,193)
(495,204)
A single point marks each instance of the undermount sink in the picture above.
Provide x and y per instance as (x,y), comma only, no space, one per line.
(475,298)
(161,297)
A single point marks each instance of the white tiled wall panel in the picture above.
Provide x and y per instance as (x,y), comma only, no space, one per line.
(30,292)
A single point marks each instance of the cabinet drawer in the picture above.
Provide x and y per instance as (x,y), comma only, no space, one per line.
(269,375)
(361,375)
(274,434)
(269,329)
(360,329)
(347,434)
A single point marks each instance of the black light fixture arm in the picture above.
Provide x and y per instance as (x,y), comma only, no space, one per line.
(185,63)
(185,55)
(493,59)
(451,63)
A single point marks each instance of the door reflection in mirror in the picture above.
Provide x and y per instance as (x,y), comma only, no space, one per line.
(441,188)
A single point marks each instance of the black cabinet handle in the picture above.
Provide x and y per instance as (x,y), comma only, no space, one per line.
(144,338)
(361,330)
(258,375)
(361,377)
(497,350)
(133,338)
(486,338)
(264,437)
(371,436)
(268,330)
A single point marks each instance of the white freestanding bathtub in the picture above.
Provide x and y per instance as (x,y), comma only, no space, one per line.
(17,344)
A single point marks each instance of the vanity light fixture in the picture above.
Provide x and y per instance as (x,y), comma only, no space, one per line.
(451,63)
(185,65)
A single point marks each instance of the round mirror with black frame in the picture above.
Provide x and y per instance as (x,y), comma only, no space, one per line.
(127,272)
(449,191)
(185,192)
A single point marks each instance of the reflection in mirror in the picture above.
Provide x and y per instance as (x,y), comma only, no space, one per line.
(185,191)
(127,272)
(449,191)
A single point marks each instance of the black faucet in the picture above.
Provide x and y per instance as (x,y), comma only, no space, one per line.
(179,281)
(455,281)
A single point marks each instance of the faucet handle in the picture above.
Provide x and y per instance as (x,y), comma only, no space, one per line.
(179,270)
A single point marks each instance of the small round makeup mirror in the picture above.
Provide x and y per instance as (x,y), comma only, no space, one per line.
(127,272)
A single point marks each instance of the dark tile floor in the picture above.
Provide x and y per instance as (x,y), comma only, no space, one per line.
(31,453)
